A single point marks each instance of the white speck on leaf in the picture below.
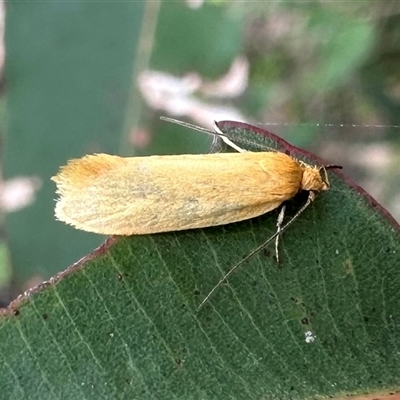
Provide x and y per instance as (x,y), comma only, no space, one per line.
(309,337)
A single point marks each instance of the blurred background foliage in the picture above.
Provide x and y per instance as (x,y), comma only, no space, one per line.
(83,77)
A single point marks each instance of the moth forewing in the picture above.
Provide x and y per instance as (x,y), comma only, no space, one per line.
(140,195)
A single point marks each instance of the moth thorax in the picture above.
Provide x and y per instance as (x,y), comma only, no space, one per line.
(312,180)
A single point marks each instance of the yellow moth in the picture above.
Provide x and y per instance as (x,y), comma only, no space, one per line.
(114,195)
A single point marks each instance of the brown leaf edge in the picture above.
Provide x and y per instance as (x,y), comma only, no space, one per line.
(14,306)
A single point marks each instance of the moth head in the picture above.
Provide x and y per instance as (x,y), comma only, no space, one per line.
(316,179)
(323,171)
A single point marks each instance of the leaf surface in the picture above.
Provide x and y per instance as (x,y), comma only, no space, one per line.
(122,323)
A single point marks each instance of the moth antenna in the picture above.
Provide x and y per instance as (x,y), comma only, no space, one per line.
(216,132)
(188,125)
(310,199)
(226,140)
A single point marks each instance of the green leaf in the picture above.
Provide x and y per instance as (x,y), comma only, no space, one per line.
(122,323)
(68,69)
(346,44)
(212,33)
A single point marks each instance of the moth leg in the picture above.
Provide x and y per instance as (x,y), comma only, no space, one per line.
(281,229)
(279,223)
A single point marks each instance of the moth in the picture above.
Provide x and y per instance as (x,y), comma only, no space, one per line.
(113,195)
